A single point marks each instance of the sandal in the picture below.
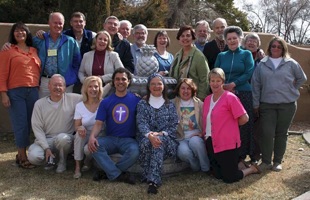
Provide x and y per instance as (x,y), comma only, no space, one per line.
(258,170)
(17,160)
(246,164)
(25,164)
(152,188)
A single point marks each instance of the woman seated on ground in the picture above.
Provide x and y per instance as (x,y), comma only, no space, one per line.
(164,58)
(102,61)
(157,123)
(192,148)
(222,115)
(84,116)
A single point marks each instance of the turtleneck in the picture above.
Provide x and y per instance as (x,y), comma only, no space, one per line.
(100,52)
(156,102)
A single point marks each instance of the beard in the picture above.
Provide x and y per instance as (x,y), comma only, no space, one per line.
(220,37)
(202,40)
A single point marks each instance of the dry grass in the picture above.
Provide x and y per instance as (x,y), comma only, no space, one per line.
(292,181)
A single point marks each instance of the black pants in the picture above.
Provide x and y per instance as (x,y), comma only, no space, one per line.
(224,164)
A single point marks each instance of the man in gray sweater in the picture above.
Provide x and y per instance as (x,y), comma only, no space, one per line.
(53,124)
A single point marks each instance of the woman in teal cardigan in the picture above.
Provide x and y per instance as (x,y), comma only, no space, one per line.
(189,62)
(238,65)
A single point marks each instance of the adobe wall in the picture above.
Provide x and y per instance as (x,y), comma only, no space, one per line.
(302,55)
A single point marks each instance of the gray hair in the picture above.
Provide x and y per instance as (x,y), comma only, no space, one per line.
(126,22)
(204,23)
(111,17)
(138,27)
(60,76)
(219,19)
(233,29)
(251,36)
(56,13)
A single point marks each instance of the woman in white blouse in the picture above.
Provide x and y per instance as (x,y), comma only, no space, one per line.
(84,120)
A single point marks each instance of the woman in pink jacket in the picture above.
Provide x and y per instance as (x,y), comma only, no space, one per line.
(222,115)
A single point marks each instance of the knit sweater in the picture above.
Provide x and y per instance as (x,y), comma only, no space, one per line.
(48,120)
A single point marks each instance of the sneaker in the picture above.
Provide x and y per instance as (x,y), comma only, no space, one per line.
(61,168)
(126,177)
(265,166)
(276,167)
(85,168)
(99,175)
(152,188)
(49,166)
(77,175)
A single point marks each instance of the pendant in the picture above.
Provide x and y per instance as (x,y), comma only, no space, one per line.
(100,66)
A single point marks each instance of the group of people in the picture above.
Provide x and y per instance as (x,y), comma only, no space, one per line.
(232,100)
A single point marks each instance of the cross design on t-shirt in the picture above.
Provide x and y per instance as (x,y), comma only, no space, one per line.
(120,113)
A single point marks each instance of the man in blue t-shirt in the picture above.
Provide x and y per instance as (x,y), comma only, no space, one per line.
(118,112)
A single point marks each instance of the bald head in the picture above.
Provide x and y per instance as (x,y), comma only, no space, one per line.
(56,23)
(218,25)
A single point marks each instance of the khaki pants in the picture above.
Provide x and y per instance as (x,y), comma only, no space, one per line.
(60,145)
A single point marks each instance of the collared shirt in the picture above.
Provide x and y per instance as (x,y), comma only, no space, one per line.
(19,69)
(51,66)
(136,53)
(200,46)
(220,43)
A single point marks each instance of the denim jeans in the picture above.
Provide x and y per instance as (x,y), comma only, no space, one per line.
(193,151)
(108,145)
(22,100)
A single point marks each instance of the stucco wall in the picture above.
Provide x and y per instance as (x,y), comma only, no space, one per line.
(302,55)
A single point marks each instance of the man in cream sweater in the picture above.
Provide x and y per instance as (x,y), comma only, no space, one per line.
(53,124)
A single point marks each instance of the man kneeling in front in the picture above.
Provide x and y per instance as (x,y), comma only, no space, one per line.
(53,125)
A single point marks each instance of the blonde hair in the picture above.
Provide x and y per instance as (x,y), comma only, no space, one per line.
(109,45)
(217,72)
(87,82)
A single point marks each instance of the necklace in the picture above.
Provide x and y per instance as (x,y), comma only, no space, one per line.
(98,61)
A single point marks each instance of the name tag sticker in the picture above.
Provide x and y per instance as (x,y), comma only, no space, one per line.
(52,52)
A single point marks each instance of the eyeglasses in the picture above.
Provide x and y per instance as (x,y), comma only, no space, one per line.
(139,33)
(252,41)
(277,46)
